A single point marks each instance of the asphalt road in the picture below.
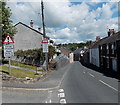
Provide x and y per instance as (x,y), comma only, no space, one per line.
(76,84)
(83,85)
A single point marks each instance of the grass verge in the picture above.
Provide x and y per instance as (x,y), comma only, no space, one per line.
(18,73)
(23,65)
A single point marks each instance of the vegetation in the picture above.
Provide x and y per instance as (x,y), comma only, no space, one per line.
(18,73)
(35,54)
(23,65)
(73,46)
(32,53)
(51,52)
(5,22)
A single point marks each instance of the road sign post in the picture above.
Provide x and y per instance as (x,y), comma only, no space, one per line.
(45,50)
(8,50)
(9,66)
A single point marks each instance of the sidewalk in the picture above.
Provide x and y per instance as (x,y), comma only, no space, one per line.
(52,81)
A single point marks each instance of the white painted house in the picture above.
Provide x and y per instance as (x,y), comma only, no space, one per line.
(27,37)
(94,52)
(94,56)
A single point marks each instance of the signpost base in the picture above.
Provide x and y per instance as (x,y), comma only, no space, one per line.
(9,66)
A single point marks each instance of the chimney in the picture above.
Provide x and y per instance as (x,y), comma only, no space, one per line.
(39,29)
(111,32)
(31,23)
(97,38)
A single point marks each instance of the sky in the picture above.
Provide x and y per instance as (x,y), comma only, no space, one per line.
(68,21)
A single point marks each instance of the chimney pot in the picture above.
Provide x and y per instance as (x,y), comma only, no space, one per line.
(111,32)
(97,38)
(39,29)
(31,23)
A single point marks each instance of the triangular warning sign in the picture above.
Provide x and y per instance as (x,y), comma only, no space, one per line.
(8,40)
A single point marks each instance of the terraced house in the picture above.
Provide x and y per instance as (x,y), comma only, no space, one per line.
(105,53)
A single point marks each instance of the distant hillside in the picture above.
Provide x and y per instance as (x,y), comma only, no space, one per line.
(74,46)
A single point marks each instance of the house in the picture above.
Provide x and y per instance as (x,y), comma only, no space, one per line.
(105,53)
(27,37)
(68,53)
(65,51)
(94,52)
(77,54)
(110,51)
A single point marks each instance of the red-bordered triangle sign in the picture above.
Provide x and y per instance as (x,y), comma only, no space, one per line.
(45,40)
(8,40)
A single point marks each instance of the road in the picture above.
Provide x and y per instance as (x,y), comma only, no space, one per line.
(77,84)
(82,85)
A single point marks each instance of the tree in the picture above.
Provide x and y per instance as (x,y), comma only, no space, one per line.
(5,22)
(51,52)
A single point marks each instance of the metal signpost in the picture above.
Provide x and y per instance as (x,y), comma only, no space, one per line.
(8,50)
(45,50)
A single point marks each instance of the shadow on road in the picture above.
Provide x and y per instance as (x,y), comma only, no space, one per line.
(106,72)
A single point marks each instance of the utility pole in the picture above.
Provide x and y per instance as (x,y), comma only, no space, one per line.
(44,33)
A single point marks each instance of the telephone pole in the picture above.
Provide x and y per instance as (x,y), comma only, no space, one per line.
(44,33)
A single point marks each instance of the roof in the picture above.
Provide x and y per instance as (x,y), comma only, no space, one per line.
(65,51)
(107,40)
(28,27)
(78,50)
(97,43)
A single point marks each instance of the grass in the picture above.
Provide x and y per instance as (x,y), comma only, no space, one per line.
(23,65)
(42,70)
(0,49)
(18,73)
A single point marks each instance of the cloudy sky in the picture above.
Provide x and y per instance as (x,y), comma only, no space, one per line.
(69,21)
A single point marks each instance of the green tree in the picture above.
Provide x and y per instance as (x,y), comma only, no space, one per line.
(51,52)
(5,21)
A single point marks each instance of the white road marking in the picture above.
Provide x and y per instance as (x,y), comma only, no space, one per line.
(108,85)
(61,90)
(49,91)
(50,101)
(61,95)
(63,101)
(91,75)
(45,101)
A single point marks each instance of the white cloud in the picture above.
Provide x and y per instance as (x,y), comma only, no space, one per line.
(66,23)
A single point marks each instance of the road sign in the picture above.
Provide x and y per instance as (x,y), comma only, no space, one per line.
(45,47)
(45,40)
(8,40)
(8,50)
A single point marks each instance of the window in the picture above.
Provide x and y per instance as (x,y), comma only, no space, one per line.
(107,62)
(113,48)
(107,47)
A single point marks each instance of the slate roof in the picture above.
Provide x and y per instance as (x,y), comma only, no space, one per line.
(28,27)
(77,51)
(107,40)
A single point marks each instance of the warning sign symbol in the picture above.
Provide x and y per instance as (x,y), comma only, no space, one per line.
(8,40)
